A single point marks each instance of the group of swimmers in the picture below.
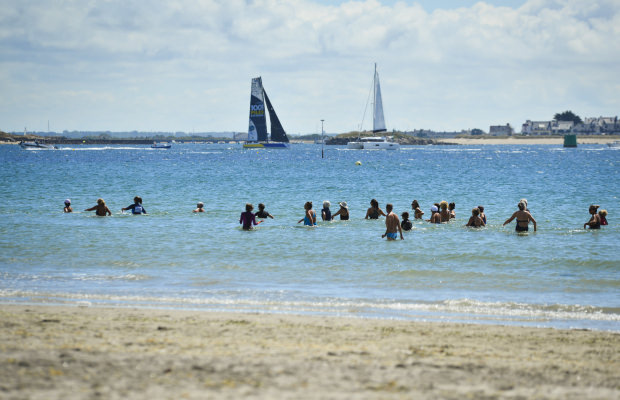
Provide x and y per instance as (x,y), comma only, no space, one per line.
(102,210)
(440,213)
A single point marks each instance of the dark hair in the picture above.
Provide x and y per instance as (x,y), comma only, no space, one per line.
(261,206)
(451,206)
(308,205)
(405,215)
(389,207)
(374,203)
(138,199)
(415,204)
(249,207)
(481,208)
(475,211)
(521,206)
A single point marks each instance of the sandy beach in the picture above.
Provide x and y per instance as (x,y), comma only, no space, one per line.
(529,140)
(88,353)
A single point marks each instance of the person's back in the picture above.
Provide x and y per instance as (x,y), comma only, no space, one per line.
(372,213)
(136,207)
(475,221)
(406,224)
(326,213)
(603,217)
(247,218)
(261,213)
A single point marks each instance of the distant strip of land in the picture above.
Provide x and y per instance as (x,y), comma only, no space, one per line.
(559,140)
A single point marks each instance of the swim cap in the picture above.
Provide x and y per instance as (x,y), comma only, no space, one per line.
(68,201)
(434,208)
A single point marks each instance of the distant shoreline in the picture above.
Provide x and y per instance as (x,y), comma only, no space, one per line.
(559,140)
(482,140)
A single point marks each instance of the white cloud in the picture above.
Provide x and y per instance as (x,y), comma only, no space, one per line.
(187,65)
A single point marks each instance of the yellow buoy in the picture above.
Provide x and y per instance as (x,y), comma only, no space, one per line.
(358,163)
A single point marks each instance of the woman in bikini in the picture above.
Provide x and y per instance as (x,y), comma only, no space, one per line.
(595,220)
(343,211)
(374,211)
(100,209)
(523,218)
(417,212)
(445,214)
(475,221)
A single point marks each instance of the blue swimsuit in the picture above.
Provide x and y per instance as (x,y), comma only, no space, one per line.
(308,222)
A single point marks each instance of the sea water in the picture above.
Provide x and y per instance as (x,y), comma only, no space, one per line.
(562,276)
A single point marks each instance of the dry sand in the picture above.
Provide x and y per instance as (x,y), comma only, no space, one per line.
(529,140)
(97,353)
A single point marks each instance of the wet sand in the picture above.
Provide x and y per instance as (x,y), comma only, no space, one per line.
(92,353)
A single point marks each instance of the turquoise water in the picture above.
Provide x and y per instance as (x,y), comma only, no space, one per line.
(561,276)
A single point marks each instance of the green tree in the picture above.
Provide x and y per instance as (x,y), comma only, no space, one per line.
(568,116)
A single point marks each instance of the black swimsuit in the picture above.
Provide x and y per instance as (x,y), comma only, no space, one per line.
(522,228)
(262,214)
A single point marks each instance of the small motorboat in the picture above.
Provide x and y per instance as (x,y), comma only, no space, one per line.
(162,145)
(614,144)
(36,146)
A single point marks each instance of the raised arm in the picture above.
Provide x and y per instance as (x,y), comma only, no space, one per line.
(511,218)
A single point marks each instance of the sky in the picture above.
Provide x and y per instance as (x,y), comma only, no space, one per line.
(187,65)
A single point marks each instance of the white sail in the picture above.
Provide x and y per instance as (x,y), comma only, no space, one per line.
(378,120)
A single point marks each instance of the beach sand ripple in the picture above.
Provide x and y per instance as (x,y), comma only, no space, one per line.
(90,353)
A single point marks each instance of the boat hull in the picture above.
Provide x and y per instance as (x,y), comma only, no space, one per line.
(355,145)
(381,146)
(36,146)
(270,145)
(373,143)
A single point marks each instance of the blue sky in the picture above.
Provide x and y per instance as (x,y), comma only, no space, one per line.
(186,65)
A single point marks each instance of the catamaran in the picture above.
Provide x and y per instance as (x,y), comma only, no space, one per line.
(378,124)
(257,131)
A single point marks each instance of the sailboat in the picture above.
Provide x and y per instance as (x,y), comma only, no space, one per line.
(257,131)
(378,124)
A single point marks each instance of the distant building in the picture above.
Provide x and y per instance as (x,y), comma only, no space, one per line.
(599,126)
(562,127)
(591,126)
(536,127)
(501,130)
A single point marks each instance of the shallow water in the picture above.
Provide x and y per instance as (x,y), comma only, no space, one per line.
(561,276)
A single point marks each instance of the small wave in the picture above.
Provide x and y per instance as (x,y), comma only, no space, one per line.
(460,310)
(125,277)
